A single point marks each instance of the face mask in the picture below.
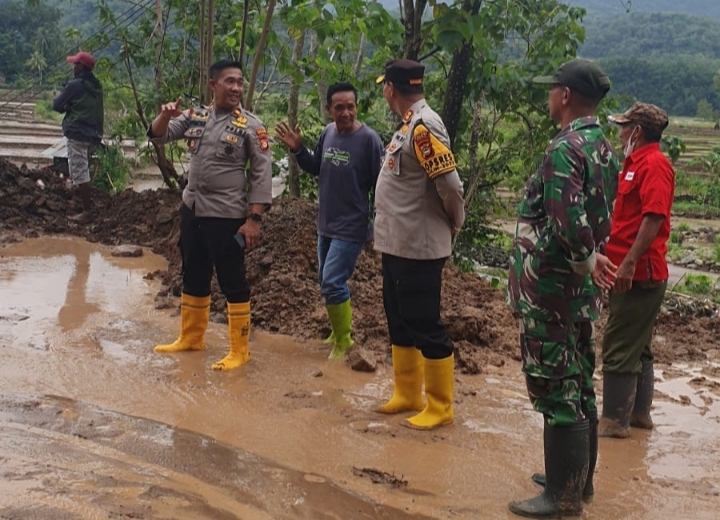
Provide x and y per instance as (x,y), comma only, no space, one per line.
(630,145)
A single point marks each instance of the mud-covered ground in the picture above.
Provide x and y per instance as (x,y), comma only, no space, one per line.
(282,272)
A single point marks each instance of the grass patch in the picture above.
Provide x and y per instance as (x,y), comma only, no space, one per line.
(698,285)
(695,209)
(45,113)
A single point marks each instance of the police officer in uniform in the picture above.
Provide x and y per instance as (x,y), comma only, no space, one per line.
(229,185)
(419,207)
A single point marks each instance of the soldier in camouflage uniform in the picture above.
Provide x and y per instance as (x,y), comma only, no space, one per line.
(563,219)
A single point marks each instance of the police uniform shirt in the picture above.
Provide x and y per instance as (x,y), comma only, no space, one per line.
(230,160)
(419,195)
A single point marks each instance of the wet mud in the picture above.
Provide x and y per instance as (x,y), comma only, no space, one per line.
(115,466)
(94,424)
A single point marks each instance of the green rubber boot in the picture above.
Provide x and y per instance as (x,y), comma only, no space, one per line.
(341,321)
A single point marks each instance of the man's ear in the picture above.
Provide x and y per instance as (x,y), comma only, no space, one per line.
(567,95)
(327,108)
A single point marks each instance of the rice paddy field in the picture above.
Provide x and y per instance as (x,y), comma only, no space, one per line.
(700,137)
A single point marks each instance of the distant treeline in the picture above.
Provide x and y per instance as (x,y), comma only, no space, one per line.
(703,8)
(666,59)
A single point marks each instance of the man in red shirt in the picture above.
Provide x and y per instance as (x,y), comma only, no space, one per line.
(638,243)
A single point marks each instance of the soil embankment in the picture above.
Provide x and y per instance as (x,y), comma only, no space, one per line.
(282,272)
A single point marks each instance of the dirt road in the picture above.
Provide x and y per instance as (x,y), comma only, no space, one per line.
(93,424)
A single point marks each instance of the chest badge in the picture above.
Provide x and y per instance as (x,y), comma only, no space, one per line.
(629,176)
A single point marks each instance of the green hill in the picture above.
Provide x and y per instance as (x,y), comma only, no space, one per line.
(661,58)
(703,8)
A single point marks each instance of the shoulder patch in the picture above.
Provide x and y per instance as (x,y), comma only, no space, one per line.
(435,158)
(263,138)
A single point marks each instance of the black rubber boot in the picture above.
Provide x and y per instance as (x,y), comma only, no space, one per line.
(618,401)
(640,417)
(566,466)
(85,192)
(589,489)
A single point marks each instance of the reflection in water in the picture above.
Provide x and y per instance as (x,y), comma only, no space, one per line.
(65,282)
(76,307)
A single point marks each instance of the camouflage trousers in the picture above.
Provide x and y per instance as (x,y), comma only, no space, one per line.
(559,363)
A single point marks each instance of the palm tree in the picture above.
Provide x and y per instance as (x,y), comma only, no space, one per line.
(37,62)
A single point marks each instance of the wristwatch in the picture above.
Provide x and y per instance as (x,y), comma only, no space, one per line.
(257,217)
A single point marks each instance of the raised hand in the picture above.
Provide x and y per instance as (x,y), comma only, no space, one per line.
(170,110)
(288,136)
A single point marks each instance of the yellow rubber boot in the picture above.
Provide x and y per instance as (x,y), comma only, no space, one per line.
(439,382)
(239,332)
(194,316)
(408,372)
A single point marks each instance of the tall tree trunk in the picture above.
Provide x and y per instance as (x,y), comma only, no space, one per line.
(413,11)
(159,48)
(243,31)
(169,174)
(293,100)
(210,33)
(360,54)
(457,78)
(202,73)
(259,53)
(321,85)
(476,174)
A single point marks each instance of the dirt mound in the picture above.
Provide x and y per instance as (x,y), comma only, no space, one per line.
(282,272)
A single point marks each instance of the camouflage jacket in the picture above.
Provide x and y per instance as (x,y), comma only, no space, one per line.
(563,219)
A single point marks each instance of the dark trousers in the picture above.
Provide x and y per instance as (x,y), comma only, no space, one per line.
(206,242)
(629,328)
(411,295)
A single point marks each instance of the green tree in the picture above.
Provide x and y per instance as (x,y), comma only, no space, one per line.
(37,62)
(705,110)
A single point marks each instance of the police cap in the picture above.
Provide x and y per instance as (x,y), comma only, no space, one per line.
(405,73)
(583,76)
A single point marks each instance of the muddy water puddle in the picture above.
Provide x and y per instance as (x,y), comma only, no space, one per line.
(93,424)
